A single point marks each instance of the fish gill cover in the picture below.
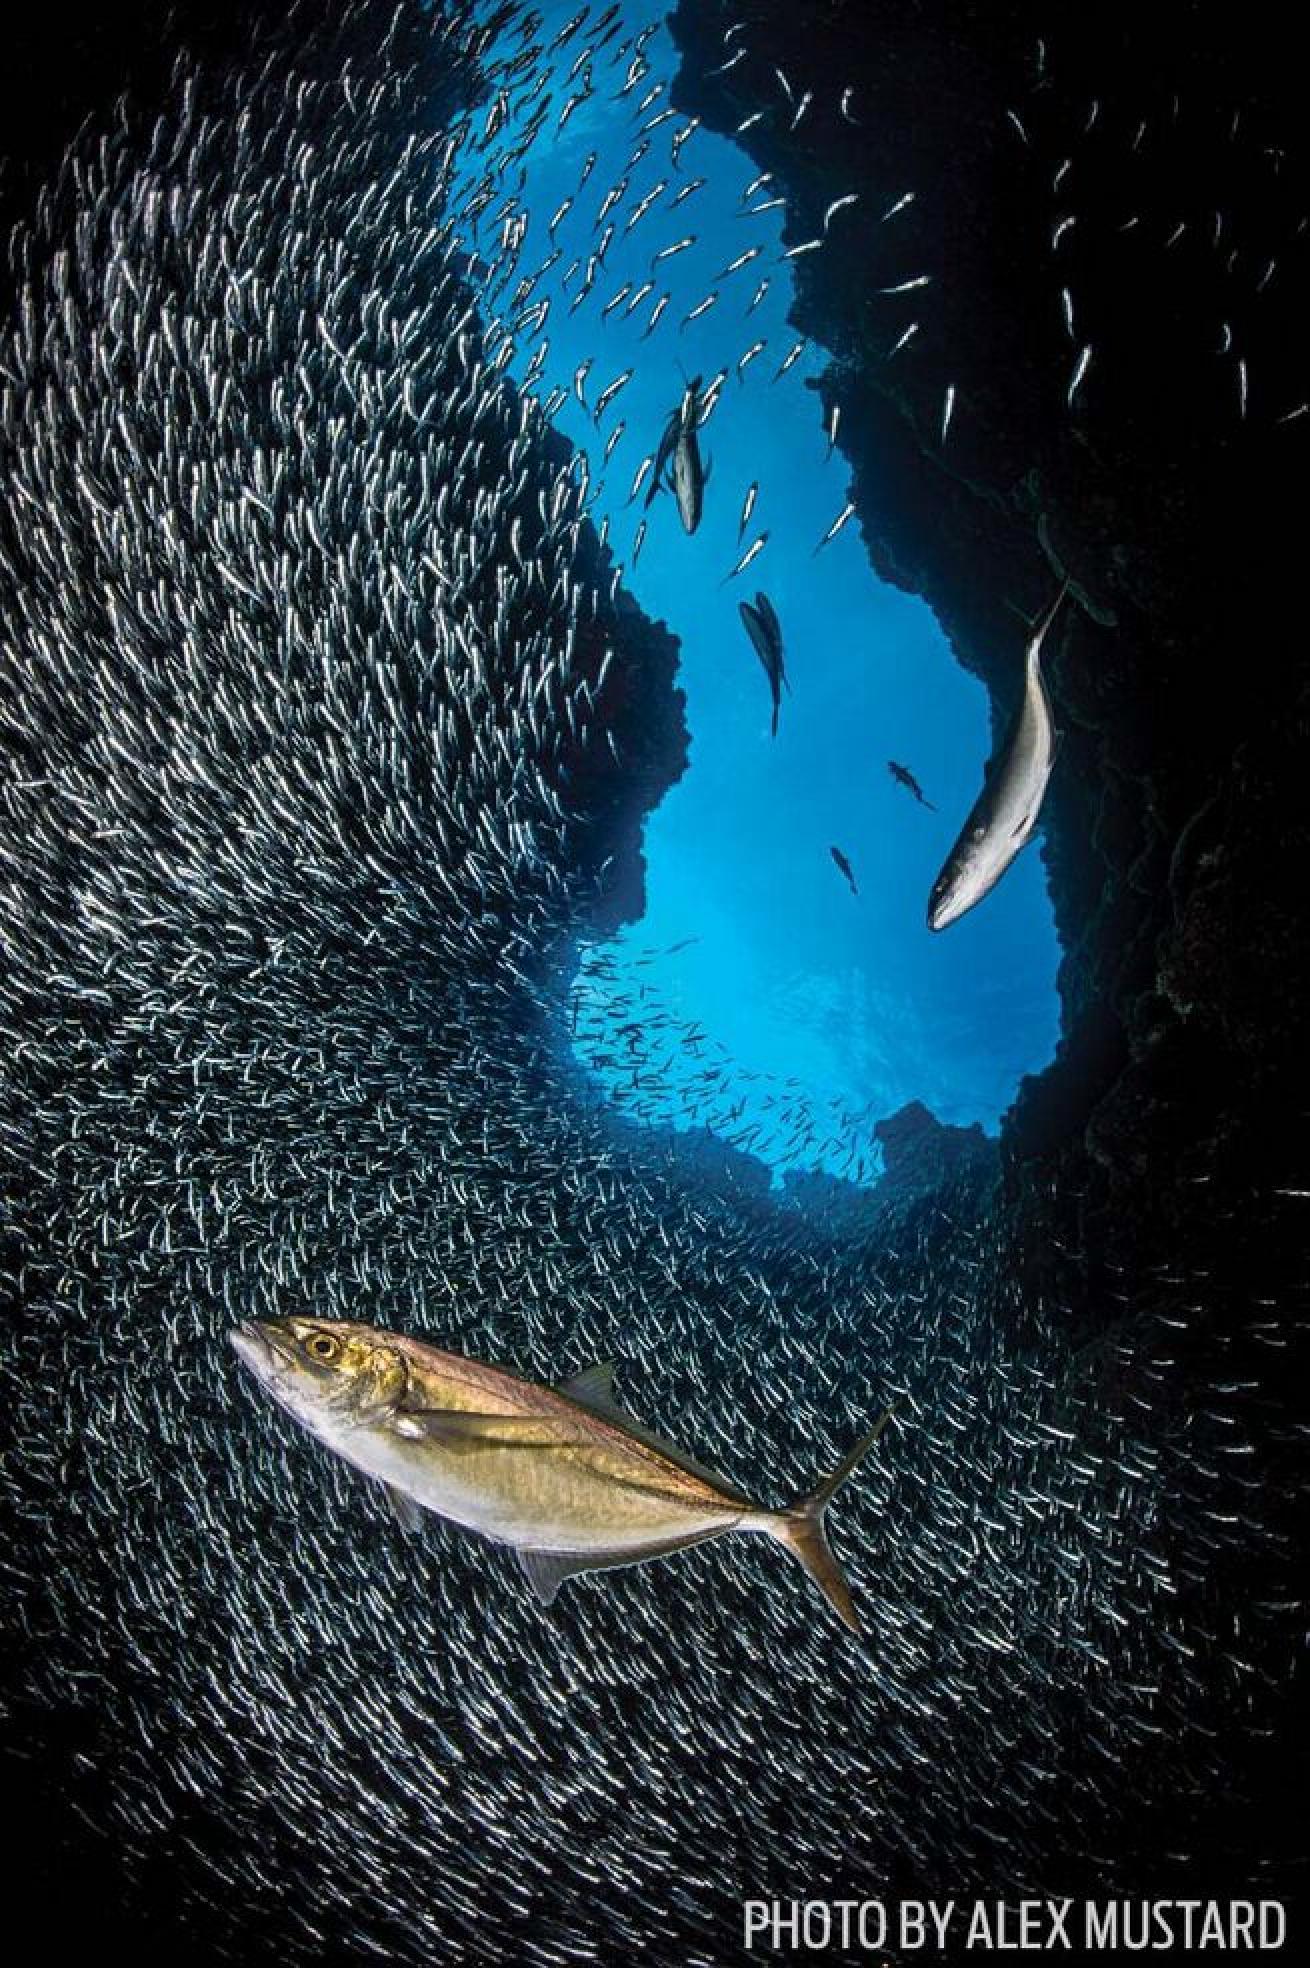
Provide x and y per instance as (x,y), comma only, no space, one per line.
(328,733)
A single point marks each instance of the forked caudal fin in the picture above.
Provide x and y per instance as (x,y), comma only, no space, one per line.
(801,1531)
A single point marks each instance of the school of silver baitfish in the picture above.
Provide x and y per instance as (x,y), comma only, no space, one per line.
(318,692)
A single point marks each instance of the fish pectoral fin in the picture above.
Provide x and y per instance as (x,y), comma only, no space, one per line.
(594,1388)
(457,1428)
(403,1508)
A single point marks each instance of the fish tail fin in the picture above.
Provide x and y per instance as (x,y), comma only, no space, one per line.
(801,1530)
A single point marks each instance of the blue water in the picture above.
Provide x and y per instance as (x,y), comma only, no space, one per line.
(850,1005)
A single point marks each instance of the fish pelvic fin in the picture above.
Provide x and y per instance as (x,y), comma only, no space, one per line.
(801,1531)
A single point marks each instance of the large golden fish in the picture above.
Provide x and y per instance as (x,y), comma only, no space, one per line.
(561,1474)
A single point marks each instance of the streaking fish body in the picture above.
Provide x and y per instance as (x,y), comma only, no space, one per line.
(1005,813)
(562,1475)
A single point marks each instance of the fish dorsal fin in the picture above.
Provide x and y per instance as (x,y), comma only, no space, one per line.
(594,1388)
(403,1508)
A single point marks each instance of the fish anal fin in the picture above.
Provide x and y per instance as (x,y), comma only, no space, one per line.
(546,1571)
(403,1508)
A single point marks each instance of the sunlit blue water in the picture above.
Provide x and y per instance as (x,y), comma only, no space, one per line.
(851,1001)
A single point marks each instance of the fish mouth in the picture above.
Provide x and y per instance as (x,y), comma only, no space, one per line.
(260,1346)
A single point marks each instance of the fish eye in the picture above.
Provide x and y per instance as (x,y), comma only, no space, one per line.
(322,1346)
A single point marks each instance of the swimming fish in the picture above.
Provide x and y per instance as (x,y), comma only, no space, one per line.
(756,547)
(609,393)
(679,457)
(904,777)
(563,1475)
(1005,813)
(837,525)
(765,631)
(845,867)
(690,476)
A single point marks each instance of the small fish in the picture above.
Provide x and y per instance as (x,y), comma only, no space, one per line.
(681,137)
(847,97)
(845,867)
(639,542)
(752,552)
(644,206)
(758,295)
(793,354)
(656,312)
(833,421)
(1005,813)
(612,198)
(667,252)
(613,440)
(948,410)
(688,190)
(609,393)
(580,375)
(748,507)
(906,198)
(839,205)
(742,259)
(574,103)
(909,286)
(1080,370)
(806,246)
(836,526)
(904,777)
(702,307)
(749,356)
(562,1475)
